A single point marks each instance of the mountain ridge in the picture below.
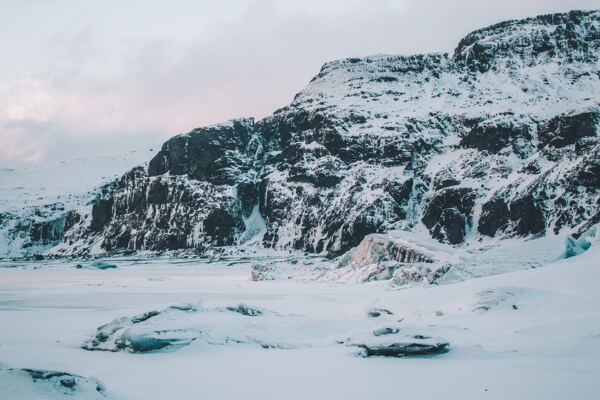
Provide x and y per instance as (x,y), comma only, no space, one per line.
(498,140)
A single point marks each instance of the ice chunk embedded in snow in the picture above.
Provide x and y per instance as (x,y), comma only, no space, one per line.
(26,383)
(576,246)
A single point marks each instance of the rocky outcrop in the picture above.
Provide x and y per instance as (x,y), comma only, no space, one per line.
(401,257)
(404,349)
(195,193)
(496,134)
(572,36)
(448,214)
(216,154)
(378,248)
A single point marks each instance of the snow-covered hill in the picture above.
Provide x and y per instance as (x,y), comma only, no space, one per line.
(35,200)
(499,140)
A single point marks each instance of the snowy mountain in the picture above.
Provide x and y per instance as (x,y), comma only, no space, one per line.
(498,141)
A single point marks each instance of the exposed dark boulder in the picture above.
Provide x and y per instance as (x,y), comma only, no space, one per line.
(56,384)
(404,349)
(246,310)
(378,312)
(385,331)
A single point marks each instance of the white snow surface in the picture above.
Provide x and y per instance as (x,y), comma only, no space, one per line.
(531,334)
(47,190)
(68,182)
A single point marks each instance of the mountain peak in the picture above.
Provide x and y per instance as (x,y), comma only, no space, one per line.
(566,37)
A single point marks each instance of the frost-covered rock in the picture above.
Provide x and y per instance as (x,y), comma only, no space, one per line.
(178,326)
(376,248)
(399,256)
(99,264)
(398,342)
(246,310)
(25,383)
(124,333)
(404,349)
(385,331)
(175,327)
(378,312)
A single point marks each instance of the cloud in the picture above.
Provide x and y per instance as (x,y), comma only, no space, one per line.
(117,73)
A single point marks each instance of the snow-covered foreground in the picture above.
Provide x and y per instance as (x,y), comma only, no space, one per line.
(532,334)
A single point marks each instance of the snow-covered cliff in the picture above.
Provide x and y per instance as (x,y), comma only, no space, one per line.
(499,140)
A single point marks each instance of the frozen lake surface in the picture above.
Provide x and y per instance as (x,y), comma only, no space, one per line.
(532,334)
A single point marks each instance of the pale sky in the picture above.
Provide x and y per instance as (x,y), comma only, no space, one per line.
(81,77)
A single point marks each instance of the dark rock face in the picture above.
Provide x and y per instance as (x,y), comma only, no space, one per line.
(495,135)
(589,175)
(382,143)
(494,215)
(212,154)
(247,193)
(71,219)
(448,214)
(527,215)
(101,213)
(170,212)
(566,130)
(48,231)
(571,35)
(186,199)
(221,227)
